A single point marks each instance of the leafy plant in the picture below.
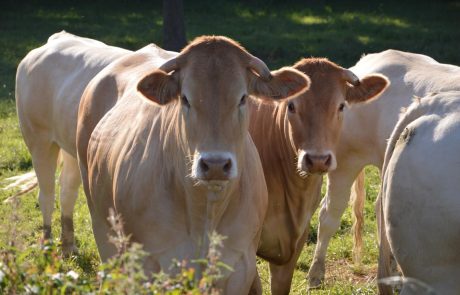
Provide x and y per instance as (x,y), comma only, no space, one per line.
(23,271)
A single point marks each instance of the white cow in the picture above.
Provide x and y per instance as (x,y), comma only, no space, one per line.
(367,127)
(49,83)
(421,194)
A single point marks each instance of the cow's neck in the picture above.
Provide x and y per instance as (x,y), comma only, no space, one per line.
(291,197)
(297,190)
(204,208)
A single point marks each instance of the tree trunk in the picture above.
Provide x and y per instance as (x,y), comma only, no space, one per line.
(173,25)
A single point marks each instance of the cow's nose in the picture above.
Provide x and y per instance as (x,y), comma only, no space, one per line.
(318,163)
(215,168)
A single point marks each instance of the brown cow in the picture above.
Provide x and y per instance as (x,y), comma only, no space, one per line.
(169,149)
(296,140)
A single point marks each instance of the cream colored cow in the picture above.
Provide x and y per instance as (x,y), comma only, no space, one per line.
(49,83)
(421,196)
(367,127)
(168,148)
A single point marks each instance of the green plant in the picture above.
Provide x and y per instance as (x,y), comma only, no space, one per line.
(40,269)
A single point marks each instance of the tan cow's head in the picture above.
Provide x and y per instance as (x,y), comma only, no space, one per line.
(315,117)
(210,82)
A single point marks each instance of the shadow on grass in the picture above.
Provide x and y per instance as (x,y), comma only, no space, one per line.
(279,32)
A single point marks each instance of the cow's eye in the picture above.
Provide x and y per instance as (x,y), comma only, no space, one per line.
(243,100)
(291,107)
(184,101)
(341,107)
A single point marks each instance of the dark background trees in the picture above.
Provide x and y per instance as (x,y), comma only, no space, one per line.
(173,25)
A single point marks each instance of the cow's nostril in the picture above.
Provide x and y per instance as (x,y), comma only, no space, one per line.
(228,166)
(203,166)
(328,160)
(308,160)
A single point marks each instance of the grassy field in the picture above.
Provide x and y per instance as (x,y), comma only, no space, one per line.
(279,32)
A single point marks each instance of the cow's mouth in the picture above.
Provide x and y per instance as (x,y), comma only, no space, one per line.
(215,186)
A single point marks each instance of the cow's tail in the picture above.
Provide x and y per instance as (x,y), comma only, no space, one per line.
(358,198)
(24,182)
(414,111)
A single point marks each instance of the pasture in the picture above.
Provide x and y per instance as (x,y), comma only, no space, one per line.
(279,32)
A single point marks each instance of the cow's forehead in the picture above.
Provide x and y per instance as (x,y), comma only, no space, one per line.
(326,80)
(223,75)
(213,57)
(311,66)
(210,65)
(210,45)
(326,87)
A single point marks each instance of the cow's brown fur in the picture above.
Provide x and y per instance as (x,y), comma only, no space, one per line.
(279,137)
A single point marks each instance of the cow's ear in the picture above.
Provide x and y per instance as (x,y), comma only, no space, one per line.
(367,89)
(282,84)
(159,87)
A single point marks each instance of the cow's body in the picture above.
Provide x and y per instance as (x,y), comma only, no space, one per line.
(367,128)
(49,84)
(296,141)
(421,194)
(159,167)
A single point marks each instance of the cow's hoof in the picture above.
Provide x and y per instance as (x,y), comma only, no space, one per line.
(314,283)
(316,275)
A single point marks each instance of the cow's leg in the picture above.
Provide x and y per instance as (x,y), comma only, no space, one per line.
(256,288)
(44,159)
(70,182)
(99,222)
(244,276)
(333,206)
(102,232)
(281,275)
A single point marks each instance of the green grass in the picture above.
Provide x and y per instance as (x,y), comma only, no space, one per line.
(279,32)
(13,152)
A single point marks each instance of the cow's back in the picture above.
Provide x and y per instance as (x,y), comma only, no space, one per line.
(50,81)
(410,75)
(108,86)
(421,192)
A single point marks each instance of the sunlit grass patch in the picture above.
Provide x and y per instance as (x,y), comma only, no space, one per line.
(364,39)
(307,19)
(382,20)
(69,14)
(246,13)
